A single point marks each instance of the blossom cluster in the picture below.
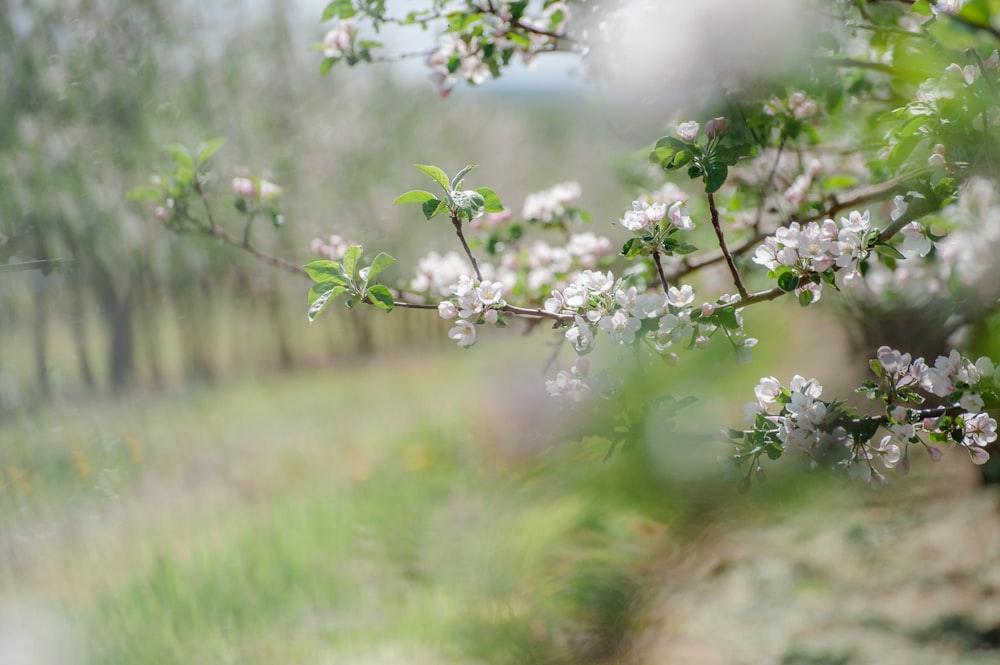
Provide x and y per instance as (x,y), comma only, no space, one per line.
(551,204)
(251,188)
(475,302)
(339,41)
(818,247)
(798,106)
(643,215)
(596,301)
(466,56)
(794,418)
(333,248)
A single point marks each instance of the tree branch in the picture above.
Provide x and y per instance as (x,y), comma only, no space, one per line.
(725,251)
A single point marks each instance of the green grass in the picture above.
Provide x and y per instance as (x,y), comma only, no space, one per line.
(406,510)
(325,515)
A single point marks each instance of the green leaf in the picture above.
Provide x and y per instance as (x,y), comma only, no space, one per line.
(144,193)
(181,156)
(381,262)
(806,297)
(457,180)
(715,176)
(839,182)
(435,174)
(631,248)
(414,196)
(325,270)
(727,317)
(380,297)
(432,207)
(326,64)
(350,262)
(321,295)
(208,149)
(338,8)
(472,204)
(491,198)
(889,251)
(788,281)
(902,150)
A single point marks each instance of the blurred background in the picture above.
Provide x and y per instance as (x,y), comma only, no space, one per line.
(190,473)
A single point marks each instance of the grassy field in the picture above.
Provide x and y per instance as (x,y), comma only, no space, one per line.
(434,509)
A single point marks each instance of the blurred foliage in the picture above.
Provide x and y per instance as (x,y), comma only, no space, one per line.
(93,94)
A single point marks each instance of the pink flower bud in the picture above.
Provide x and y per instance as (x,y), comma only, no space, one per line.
(582,366)
(491,316)
(707,309)
(447,309)
(716,127)
(244,187)
(903,467)
(877,481)
(929,424)
(935,453)
(688,131)
(701,341)
(160,214)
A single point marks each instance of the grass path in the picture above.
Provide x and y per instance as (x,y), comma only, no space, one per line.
(401,512)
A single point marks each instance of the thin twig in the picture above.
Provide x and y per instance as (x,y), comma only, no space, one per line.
(246,231)
(659,270)
(457,222)
(769,182)
(725,251)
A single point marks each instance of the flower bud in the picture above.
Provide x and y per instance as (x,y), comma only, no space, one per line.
(244,187)
(688,131)
(877,481)
(707,309)
(160,214)
(490,316)
(702,341)
(716,127)
(935,453)
(447,309)
(903,467)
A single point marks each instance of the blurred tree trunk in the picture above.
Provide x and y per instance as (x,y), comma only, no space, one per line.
(40,318)
(116,309)
(77,312)
(195,329)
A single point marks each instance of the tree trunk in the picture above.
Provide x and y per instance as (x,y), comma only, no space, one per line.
(116,309)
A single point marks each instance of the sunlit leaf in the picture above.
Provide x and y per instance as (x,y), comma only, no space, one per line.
(414,196)
(321,295)
(381,297)
(144,193)
(381,262)
(208,149)
(436,174)
(491,199)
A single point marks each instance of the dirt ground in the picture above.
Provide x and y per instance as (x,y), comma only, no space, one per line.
(906,576)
